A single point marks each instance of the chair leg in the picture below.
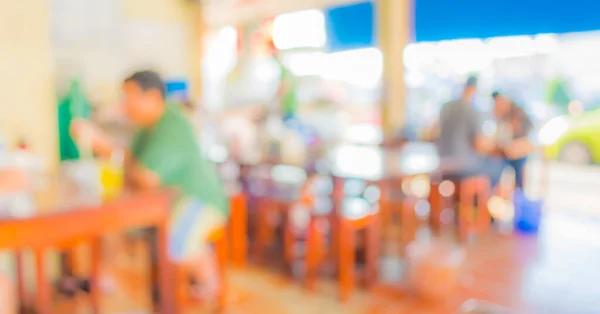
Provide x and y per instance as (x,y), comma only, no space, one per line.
(20,278)
(43,297)
(372,246)
(435,202)
(289,247)
(95,293)
(409,220)
(385,209)
(474,219)
(182,284)
(221,252)
(239,226)
(263,229)
(346,260)
(484,219)
(312,254)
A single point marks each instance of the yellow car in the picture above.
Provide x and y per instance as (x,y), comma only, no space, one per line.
(573,139)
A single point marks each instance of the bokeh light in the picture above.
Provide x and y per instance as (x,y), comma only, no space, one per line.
(422,209)
(447,188)
(420,186)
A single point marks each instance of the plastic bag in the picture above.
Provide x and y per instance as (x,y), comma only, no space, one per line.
(528,212)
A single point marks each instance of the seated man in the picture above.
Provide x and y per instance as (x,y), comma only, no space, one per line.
(463,149)
(166,153)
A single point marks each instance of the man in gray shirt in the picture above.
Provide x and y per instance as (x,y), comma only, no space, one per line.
(463,149)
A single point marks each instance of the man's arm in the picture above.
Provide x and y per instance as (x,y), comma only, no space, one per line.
(482,143)
(521,146)
(85,132)
(485,145)
(141,178)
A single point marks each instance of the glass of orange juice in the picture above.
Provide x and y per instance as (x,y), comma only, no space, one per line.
(112,176)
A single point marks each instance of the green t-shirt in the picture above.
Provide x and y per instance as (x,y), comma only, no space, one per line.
(170,150)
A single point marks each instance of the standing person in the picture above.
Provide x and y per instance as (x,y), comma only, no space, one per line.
(512,135)
(464,150)
(166,153)
(10,181)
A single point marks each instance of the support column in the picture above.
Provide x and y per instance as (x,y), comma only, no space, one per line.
(197,30)
(28,102)
(395,25)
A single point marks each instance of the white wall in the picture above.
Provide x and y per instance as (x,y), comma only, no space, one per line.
(102,41)
(27,103)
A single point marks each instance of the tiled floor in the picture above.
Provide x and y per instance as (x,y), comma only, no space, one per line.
(556,272)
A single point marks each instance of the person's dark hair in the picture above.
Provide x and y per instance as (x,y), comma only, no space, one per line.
(471,81)
(148,80)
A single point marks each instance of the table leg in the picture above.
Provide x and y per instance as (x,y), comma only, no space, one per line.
(95,291)
(166,284)
(346,260)
(239,223)
(42,299)
(436,206)
(20,280)
(373,252)
(312,254)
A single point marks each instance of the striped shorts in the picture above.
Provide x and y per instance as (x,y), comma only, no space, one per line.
(190,224)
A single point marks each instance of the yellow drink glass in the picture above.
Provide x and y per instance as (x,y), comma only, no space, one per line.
(111,179)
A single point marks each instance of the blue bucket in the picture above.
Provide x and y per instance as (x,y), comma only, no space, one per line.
(528,213)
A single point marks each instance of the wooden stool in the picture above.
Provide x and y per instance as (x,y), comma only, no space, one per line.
(267,206)
(346,260)
(436,205)
(471,218)
(405,208)
(238,225)
(347,249)
(219,239)
(410,223)
(474,218)
(389,204)
(442,195)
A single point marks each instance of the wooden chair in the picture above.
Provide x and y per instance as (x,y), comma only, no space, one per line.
(344,232)
(219,239)
(276,202)
(472,212)
(347,249)
(267,208)
(474,216)
(343,246)
(403,206)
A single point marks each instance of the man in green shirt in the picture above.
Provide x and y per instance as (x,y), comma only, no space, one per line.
(166,153)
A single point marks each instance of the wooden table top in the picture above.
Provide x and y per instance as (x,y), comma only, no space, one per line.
(64,214)
(372,162)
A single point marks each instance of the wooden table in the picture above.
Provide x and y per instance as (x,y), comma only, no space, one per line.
(66,217)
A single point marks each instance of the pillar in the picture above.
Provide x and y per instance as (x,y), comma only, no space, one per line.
(27,98)
(196,50)
(395,23)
